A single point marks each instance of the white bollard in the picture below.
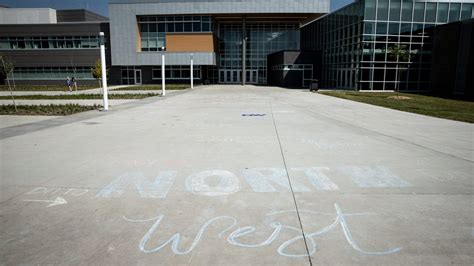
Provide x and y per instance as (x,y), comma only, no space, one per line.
(192,72)
(104,70)
(163,88)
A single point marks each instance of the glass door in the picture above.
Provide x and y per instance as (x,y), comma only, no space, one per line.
(138,76)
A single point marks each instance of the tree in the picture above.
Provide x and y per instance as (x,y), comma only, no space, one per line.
(96,72)
(7,67)
(400,54)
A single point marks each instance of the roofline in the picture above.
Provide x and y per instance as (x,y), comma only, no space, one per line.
(330,13)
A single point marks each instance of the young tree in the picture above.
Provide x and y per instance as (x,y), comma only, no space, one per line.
(400,54)
(7,67)
(96,72)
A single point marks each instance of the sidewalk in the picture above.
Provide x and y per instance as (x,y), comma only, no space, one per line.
(112,90)
(238,175)
(80,102)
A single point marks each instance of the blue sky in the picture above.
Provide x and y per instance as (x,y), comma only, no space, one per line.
(98,6)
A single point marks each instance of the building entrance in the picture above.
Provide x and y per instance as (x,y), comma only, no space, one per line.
(230,76)
(138,77)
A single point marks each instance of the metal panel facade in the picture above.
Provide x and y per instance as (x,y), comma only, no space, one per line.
(124,33)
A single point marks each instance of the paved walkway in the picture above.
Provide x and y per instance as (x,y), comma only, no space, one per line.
(237,175)
(81,102)
(112,90)
(113,102)
(15,120)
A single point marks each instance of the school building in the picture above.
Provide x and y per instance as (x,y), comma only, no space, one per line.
(278,42)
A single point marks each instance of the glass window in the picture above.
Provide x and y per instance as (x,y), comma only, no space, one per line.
(156,73)
(144,43)
(188,27)
(170,27)
(37,44)
(370,9)
(29,44)
(197,27)
(417,29)
(369,27)
(407,10)
(186,73)
(430,12)
(393,28)
(206,26)
(161,27)
(152,27)
(395,6)
(382,28)
(382,9)
(176,73)
(442,16)
(4,43)
(466,11)
(454,10)
(419,12)
(405,29)
(178,27)
(153,45)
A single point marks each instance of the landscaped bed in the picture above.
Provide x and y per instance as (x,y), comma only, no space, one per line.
(50,110)
(154,87)
(414,103)
(44,87)
(80,96)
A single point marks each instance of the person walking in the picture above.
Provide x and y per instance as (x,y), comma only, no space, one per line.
(74,82)
(68,84)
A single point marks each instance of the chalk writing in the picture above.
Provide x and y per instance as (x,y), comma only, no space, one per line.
(377,176)
(277,229)
(198,183)
(147,189)
(318,178)
(57,201)
(261,180)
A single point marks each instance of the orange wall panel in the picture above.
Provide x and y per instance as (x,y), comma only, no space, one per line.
(190,42)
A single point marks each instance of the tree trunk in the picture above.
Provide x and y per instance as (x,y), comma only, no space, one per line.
(397,79)
(100,86)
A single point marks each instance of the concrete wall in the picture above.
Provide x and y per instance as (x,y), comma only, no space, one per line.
(124,30)
(27,16)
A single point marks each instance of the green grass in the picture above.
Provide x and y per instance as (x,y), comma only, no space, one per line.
(48,110)
(79,96)
(45,87)
(419,104)
(154,87)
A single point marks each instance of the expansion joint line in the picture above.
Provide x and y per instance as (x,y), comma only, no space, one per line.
(291,186)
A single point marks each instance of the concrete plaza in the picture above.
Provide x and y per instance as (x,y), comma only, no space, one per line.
(238,175)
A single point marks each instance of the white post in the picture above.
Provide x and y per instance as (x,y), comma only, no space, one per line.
(192,72)
(163,88)
(104,70)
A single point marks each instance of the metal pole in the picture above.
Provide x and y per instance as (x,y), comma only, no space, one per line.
(192,72)
(163,85)
(244,47)
(104,70)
